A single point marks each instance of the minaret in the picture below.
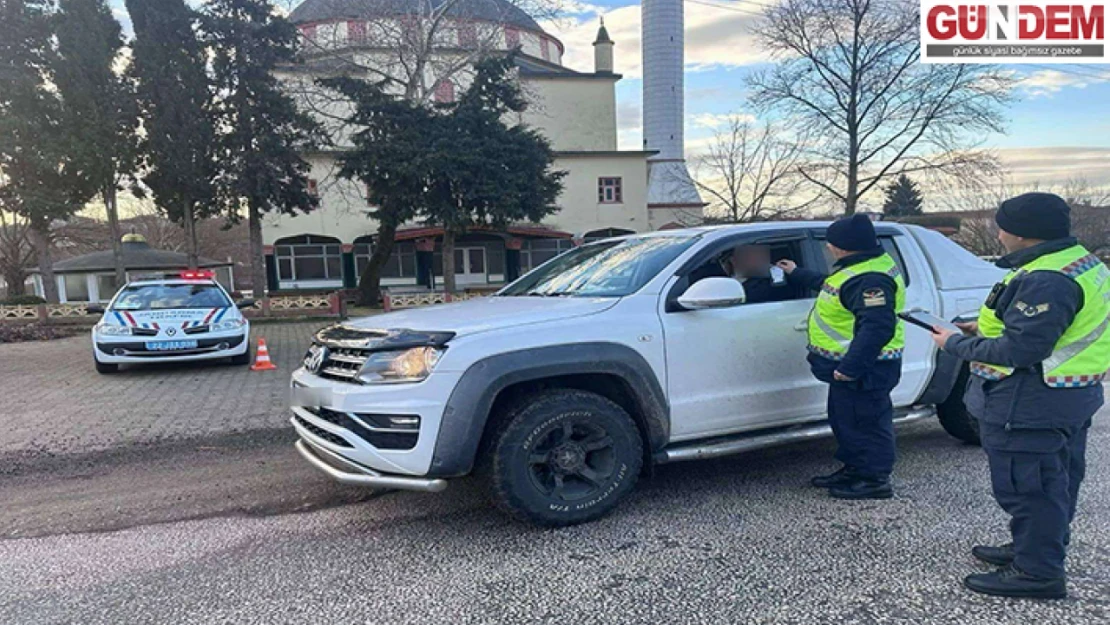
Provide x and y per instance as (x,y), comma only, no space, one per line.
(669,183)
(603,51)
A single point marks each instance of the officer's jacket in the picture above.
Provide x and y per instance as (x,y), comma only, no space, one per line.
(1023,400)
(875,326)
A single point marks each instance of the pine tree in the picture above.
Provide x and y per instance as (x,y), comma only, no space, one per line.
(485,171)
(99,112)
(902,198)
(37,175)
(264,133)
(170,64)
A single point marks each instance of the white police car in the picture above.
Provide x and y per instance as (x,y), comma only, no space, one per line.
(181,318)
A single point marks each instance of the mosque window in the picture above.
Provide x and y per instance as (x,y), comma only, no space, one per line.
(356,31)
(468,34)
(445,91)
(609,191)
(309,257)
(512,37)
(309,32)
(536,252)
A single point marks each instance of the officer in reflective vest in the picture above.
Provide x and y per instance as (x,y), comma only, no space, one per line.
(1038,353)
(855,346)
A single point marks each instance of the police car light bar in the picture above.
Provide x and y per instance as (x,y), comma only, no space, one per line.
(197,274)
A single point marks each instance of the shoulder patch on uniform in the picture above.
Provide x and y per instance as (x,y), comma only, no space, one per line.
(1030,311)
(874,297)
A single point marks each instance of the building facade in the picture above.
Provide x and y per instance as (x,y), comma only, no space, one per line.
(605,191)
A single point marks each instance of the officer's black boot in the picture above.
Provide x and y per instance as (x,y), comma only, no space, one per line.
(864,488)
(840,478)
(1002,555)
(1011,582)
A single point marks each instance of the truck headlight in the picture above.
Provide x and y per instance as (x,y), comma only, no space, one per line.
(108,329)
(228,326)
(409,365)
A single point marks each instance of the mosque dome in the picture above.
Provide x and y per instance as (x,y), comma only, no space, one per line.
(496,11)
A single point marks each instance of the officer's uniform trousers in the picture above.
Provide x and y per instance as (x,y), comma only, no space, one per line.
(1035,475)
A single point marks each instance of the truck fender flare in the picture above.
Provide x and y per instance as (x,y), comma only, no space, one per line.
(468,408)
(945,374)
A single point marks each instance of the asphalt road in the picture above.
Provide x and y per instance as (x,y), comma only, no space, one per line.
(236,530)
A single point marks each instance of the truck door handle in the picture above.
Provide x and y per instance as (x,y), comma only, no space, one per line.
(802,325)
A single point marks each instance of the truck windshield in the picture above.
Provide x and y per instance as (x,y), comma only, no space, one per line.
(165,296)
(612,268)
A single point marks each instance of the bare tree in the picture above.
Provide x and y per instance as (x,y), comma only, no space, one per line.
(848,74)
(1090,212)
(751,173)
(16,252)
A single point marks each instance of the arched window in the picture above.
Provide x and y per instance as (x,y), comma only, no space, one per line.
(309,257)
(536,252)
(401,264)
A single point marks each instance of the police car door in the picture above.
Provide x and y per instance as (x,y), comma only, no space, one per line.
(743,367)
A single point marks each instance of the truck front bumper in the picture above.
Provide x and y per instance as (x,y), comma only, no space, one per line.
(349,472)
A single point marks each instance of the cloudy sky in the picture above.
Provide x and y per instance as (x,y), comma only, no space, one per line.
(1059,128)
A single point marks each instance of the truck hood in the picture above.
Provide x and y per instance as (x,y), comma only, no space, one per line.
(485,313)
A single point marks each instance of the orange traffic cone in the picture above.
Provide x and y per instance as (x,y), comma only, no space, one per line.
(262,358)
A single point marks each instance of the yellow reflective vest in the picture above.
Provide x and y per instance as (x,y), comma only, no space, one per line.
(1081,356)
(832,326)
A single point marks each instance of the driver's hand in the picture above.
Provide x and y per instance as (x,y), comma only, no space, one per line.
(787,265)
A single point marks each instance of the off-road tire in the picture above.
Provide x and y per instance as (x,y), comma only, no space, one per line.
(588,441)
(953,414)
(105,368)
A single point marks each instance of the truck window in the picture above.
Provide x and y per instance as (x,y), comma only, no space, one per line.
(892,248)
(750,263)
(889,246)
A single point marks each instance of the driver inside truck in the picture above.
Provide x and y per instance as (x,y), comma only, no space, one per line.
(751,265)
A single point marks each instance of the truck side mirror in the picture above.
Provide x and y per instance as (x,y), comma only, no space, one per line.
(713,293)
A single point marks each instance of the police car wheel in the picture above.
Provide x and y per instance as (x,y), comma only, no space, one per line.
(241,359)
(105,367)
(564,456)
(954,416)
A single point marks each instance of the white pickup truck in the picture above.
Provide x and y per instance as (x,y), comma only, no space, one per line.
(561,387)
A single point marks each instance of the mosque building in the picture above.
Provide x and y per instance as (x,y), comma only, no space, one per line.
(606,192)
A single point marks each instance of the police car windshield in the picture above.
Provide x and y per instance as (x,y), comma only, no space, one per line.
(166,296)
(612,268)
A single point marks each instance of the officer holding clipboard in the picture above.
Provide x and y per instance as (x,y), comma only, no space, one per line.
(1039,353)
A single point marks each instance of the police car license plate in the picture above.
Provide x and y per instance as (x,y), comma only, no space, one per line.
(169,346)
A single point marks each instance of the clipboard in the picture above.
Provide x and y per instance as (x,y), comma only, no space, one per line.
(927,321)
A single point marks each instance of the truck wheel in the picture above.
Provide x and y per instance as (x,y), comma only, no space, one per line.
(105,367)
(564,456)
(953,414)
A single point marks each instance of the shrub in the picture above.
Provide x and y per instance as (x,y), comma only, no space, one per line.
(17,333)
(22,300)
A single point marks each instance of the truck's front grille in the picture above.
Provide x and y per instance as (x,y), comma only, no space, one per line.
(322,433)
(343,363)
(380,433)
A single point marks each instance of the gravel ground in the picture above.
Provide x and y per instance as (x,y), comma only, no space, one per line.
(738,540)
